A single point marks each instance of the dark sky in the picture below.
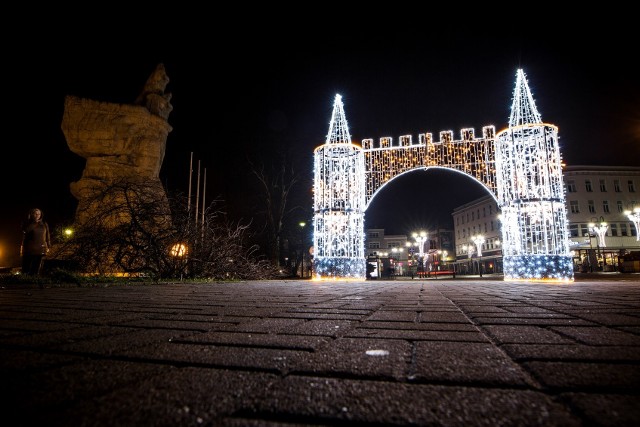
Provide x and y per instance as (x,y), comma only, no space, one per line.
(277,83)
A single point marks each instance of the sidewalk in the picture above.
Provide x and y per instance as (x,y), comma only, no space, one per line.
(481,352)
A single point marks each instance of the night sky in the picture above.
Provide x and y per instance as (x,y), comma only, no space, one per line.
(275,87)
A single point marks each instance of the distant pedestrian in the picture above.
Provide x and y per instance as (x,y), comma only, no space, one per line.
(36,242)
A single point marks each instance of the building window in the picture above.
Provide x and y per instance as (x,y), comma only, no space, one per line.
(491,225)
(374,245)
(573,230)
(490,209)
(571,186)
(587,184)
(616,186)
(584,229)
(623,230)
(614,229)
(373,234)
(605,206)
(634,230)
(592,206)
(484,211)
(632,187)
(619,203)
(574,206)
(603,186)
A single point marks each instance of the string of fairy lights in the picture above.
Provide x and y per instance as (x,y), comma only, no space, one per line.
(520,165)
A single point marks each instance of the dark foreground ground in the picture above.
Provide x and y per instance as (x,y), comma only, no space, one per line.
(481,352)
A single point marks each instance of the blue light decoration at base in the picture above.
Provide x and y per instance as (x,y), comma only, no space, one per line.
(339,268)
(557,268)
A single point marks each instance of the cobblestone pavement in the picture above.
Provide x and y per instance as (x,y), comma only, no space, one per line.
(292,353)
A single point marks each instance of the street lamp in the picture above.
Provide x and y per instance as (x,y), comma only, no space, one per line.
(420,238)
(601,231)
(469,250)
(635,218)
(479,241)
(302,224)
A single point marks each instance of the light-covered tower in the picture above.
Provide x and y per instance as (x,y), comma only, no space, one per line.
(531,194)
(338,203)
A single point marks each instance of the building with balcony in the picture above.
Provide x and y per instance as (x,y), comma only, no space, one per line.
(600,231)
(598,200)
(476,229)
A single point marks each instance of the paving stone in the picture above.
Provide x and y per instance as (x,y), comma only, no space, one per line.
(465,363)
(287,353)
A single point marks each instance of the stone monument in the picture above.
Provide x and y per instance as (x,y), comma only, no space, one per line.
(120,142)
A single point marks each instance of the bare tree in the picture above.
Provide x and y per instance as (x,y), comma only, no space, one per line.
(134,229)
(276,182)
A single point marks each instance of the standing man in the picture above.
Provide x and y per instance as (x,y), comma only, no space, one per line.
(36,242)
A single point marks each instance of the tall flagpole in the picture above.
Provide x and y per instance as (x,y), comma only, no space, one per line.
(190,177)
(197,193)
(204,190)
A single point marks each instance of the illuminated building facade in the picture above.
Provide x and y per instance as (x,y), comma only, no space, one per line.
(520,167)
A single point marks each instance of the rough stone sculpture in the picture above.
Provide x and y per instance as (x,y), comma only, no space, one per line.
(120,142)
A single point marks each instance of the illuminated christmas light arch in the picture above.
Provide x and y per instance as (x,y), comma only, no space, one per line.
(520,167)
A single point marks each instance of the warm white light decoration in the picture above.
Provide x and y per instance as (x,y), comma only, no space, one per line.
(601,231)
(635,218)
(478,240)
(469,155)
(531,194)
(520,167)
(339,203)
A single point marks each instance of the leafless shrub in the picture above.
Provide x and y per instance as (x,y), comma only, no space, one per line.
(132,228)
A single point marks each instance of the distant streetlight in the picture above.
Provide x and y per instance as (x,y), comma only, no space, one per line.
(469,250)
(635,218)
(420,237)
(479,241)
(600,230)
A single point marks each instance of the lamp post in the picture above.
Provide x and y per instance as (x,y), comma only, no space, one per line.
(397,257)
(601,231)
(420,238)
(635,218)
(469,250)
(590,250)
(302,224)
(479,241)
